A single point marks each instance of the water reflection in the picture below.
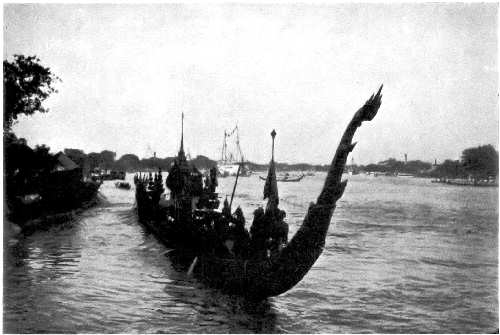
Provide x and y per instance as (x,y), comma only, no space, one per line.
(219,312)
(401,256)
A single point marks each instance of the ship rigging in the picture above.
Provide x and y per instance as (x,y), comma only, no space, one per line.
(231,159)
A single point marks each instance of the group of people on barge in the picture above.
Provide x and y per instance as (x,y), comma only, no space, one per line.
(191,211)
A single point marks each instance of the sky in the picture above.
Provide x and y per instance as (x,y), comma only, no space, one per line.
(129,71)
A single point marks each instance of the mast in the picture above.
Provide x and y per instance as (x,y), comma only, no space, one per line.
(223,153)
(238,144)
(234,187)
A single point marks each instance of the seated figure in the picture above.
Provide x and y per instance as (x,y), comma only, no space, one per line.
(269,233)
(279,232)
(239,234)
(260,234)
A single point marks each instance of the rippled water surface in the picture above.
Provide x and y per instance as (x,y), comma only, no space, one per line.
(402,255)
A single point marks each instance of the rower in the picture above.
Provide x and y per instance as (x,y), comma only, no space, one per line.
(240,234)
(269,230)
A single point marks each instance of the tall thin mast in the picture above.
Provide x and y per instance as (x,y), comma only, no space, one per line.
(238,144)
(223,157)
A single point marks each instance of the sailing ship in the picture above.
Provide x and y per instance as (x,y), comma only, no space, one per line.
(352,169)
(232,160)
(220,250)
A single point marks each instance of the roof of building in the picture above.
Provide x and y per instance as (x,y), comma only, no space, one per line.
(65,163)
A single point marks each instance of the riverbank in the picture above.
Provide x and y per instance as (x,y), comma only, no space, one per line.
(467,182)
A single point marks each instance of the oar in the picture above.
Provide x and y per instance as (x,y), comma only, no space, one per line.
(235,182)
(191,267)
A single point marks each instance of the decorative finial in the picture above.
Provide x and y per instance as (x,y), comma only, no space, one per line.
(181,156)
(273,135)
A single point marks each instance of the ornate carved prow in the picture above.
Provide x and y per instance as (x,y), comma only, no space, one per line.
(334,187)
(260,279)
(297,258)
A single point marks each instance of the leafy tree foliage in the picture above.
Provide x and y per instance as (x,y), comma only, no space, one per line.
(203,162)
(24,167)
(26,84)
(481,162)
(392,165)
(155,163)
(94,160)
(449,169)
(42,159)
(128,162)
(107,159)
(17,154)
(416,167)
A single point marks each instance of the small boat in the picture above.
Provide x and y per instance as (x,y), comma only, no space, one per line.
(113,175)
(466,182)
(123,185)
(287,178)
(218,248)
(405,175)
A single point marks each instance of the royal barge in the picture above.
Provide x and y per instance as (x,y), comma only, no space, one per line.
(259,263)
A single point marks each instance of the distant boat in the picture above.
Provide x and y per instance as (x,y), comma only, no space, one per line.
(109,175)
(352,169)
(287,178)
(399,174)
(230,162)
(123,185)
(466,182)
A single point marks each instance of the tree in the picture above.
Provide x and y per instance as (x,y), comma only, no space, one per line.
(449,169)
(26,84)
(202,162)
(127,162)
(481,162)
(94,160)
(42,159)
(107,159)
(17,154)
(416,167)
(391,165)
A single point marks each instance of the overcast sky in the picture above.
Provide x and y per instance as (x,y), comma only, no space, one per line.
(129,71)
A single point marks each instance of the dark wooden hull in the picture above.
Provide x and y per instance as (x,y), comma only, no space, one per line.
(122,185)
(231,275)
(286,180)
(262,278)
(465,183)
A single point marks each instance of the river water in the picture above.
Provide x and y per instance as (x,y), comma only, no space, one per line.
(402,255)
